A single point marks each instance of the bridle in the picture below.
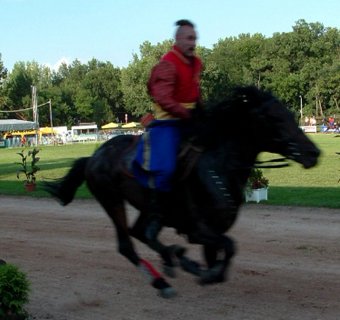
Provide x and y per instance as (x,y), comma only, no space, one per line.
(276,162)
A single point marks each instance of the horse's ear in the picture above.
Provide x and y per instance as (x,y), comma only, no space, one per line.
(249,94)
(249,97)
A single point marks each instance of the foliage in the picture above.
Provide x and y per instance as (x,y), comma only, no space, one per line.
(3,75)
(3,70)
(28,165)
(304,62)
(257,180)
(14,292)
(103,83)
(135,77)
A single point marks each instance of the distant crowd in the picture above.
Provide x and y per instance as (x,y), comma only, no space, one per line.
(327,124)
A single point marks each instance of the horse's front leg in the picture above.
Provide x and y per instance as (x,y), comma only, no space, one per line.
(218,251)
(218,261)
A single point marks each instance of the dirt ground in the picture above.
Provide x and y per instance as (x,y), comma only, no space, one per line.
(287,266)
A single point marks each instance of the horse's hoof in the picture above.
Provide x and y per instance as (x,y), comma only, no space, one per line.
(165,290)
(216,274)
(209,278)
(169,271)
(168,293)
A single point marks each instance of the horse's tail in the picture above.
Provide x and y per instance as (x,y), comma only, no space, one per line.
(65,188)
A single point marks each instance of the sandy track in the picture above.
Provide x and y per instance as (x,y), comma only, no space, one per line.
(287,266)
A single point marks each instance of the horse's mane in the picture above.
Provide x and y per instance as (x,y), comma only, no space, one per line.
(239,101)
(219,119)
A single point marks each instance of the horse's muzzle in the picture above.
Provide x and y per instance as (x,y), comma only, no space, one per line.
(311,158)
(307,156)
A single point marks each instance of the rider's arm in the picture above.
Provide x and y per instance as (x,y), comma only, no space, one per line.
(161,88)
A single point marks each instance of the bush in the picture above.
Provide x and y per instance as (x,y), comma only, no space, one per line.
(14,290)
(257,180)
(28,164)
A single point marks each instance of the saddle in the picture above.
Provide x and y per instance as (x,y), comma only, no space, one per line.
(186,160)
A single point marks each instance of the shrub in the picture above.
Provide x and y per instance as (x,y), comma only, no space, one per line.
(256,179)
(14,290)
(28,165)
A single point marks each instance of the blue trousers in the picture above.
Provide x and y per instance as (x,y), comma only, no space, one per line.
(155,162)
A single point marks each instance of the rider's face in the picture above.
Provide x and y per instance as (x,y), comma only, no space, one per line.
(186,40)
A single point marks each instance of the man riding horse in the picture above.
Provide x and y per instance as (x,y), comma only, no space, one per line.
(205,204)
(175,90)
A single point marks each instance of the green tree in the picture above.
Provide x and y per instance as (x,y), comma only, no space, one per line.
(103,83)
(135,76)
(229,64)
(3,76)
(17,89)
(87,92)
(3,70)
(293,64)
(304,62)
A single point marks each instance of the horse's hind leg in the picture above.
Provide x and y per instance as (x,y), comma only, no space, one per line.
(125,246)
(210,255)
(169,254)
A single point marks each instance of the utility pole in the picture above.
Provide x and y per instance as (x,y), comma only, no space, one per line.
(35,112)
(51,121)
(51,117)
(301,106)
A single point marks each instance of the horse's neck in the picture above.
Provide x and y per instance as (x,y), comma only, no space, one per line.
(233,161)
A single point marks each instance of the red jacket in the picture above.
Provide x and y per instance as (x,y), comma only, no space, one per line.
(174,85)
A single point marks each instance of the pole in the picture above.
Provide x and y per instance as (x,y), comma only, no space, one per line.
(301,106)
(35,112)
(51,120)
(51,116)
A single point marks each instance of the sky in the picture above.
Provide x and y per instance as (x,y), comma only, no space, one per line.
(54,31)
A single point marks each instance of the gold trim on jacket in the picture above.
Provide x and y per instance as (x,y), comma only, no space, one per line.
(161,114)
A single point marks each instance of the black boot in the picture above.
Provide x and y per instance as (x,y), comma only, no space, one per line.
(157,212)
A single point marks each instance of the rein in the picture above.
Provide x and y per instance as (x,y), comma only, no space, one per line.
(258,164)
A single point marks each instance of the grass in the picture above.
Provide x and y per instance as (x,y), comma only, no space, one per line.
(54,163)
(290,186)
(316,187)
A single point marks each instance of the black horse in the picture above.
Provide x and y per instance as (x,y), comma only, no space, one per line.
(215,163)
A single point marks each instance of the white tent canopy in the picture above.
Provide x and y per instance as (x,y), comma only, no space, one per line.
(16,125)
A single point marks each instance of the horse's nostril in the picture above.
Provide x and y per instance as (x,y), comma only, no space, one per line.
(315,153)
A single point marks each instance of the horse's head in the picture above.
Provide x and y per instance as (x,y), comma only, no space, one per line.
(273,127)
(260,122)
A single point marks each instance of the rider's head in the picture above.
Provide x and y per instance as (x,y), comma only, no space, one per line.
(185,37)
